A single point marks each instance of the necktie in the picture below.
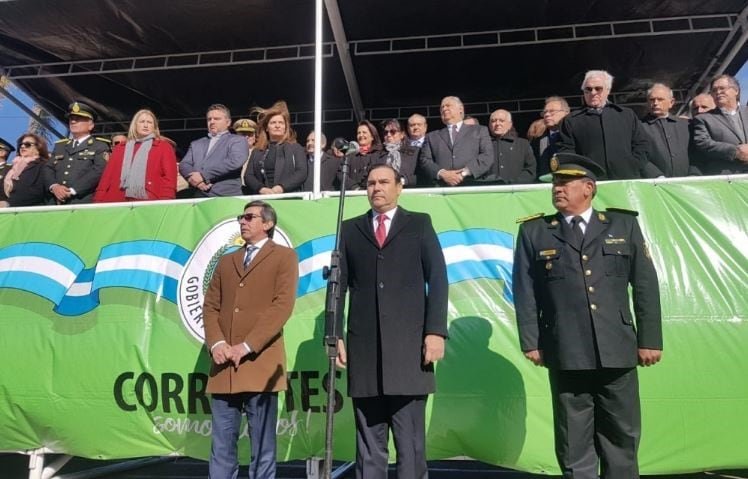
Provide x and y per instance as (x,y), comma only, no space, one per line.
(75,144)
(453,136)
(576,228)
(248,256)
(381,232)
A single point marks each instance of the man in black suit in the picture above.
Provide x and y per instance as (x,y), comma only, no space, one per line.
(329,165)
(545,146)
(514,162)
(720,136)
(393,265)
(571,276)
(457,152)
(609,134)
(669,136)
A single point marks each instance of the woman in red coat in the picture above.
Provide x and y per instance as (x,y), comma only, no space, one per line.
(144,168)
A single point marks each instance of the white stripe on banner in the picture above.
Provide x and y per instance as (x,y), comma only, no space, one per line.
(142,262)
(315,263)
(41,266)
(80,289)
(477,252)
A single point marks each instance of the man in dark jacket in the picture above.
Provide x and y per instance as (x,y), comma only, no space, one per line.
(393,266)
(544,147)
(513,158)
(609,134)
(571,276)
(668,135)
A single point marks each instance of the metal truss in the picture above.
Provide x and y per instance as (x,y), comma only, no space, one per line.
(516,106)
(428,43)
(549,34)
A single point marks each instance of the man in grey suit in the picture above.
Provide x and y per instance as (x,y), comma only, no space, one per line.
(457,152)
(213,163)
(720,136)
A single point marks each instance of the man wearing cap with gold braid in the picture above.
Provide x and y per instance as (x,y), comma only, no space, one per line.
(571,276)
(77,162)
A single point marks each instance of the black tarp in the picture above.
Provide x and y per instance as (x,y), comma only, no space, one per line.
(35,31)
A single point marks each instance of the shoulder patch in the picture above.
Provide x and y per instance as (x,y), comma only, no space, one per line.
(529,218)
(105,140)
(623,210)
(63,141)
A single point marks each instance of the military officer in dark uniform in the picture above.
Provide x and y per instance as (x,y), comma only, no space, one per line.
(571,276)
(77,162)
(5,150)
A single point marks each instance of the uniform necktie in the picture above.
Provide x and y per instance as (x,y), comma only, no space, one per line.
(576,227)
(381,232)
(248,255)
(75,144)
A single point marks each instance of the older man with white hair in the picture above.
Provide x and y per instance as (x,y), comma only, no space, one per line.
(609,134)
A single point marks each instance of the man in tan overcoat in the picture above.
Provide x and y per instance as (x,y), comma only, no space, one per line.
(250,298)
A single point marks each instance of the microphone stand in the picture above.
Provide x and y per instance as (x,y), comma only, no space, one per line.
(332,335)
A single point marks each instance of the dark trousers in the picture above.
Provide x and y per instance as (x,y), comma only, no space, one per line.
(596,416)
(406,416)
(261,410)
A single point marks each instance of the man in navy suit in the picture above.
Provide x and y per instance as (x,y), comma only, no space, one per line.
(212,165)
(720,136)
(393,265)
(457,152)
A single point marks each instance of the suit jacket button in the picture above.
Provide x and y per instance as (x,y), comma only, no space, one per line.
(587,272)
(593,307)
(381,284)
(241,285)
(236,310)
(380,256)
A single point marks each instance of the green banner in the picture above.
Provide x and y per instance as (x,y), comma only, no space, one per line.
(101,328)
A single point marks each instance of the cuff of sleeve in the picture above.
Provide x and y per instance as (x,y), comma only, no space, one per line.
(217,343)
(249,350)
(72,192)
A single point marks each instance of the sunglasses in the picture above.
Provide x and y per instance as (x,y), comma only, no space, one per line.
(26,144)
(391,132)
(596,89)
(247,217)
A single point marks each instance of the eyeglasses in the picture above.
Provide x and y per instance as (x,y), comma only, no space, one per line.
(26,144)
(390,132)
(247,217)
(596,89)
(719,89)
(549,112)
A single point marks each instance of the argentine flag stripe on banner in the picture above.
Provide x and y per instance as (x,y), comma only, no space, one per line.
(313,256)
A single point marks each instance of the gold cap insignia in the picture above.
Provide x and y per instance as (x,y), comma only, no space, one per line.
(76,107)
(554,163)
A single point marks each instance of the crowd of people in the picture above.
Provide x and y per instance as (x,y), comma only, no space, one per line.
(269,159)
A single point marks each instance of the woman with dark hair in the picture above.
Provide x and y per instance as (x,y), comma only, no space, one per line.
(143,168)
(369,145)
(278,163)
(23,184)
(397,152)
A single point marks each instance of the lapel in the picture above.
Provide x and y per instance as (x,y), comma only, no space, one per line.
(221,140)
(364,224)
(398,223)
(80,147)
(598,223)
(238,258)
(727,123)
(444,134)
(743,121)
(562,230)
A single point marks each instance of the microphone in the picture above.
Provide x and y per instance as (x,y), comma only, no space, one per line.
(347,147)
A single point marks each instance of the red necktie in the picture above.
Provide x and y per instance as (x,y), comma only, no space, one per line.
(381,232)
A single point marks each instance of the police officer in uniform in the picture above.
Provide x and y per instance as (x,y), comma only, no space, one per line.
(77,162)
(5,150)
(572,270)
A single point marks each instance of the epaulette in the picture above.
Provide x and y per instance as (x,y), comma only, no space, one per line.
(105,140)
(623,210)
(531,217)
(64,140)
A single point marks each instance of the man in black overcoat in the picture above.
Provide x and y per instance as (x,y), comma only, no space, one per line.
(393,266)
(571,276)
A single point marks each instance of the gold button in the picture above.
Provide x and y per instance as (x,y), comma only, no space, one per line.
(65,182)
(70,166)
(593,307)
(67,172)
(236,310)
(591,289)
(587,272)
(585,257)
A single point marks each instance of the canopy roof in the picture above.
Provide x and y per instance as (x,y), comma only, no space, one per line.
(179,57)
